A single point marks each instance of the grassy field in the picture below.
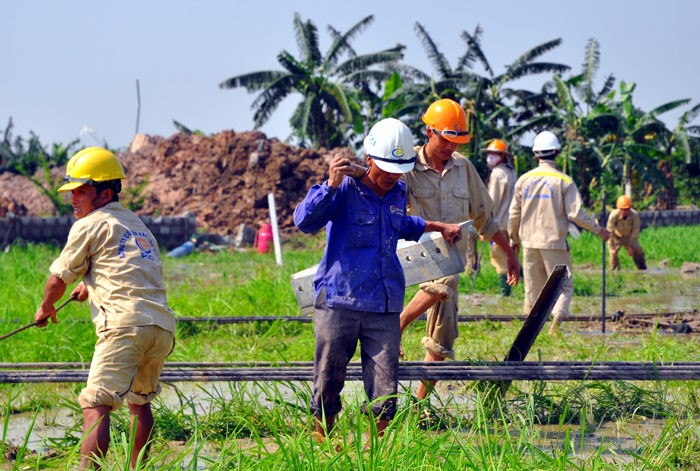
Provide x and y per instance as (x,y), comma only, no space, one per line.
(265,425)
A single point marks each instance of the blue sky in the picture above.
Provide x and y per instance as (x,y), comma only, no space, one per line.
(74,63)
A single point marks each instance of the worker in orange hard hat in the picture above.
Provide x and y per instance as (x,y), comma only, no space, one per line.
(624,227)
(500,184)
(445,186)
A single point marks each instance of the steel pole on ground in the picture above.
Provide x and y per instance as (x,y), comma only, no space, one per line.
(602,313)
(275,229)
(533,325)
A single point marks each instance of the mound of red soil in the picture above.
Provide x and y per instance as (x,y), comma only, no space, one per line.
(224,179)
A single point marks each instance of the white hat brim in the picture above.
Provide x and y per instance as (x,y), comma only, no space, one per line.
(393,167)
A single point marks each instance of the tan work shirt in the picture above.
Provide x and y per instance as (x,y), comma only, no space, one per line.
(455,195)
(501,189)
(544,202)
(624,228)
(119,261)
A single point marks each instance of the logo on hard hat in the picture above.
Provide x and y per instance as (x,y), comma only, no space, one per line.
(398,152)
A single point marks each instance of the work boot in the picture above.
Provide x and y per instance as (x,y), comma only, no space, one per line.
(505,287)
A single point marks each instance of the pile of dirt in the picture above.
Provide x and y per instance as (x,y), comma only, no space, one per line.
(224,179)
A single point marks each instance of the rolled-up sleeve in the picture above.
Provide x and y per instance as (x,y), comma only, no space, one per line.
(74,260)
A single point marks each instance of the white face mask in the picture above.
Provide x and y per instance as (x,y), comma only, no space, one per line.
(493,159)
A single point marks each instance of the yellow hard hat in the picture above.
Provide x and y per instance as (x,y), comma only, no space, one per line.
(624,202)
(91,165)
(448,119)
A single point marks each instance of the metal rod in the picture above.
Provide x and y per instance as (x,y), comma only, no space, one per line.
(602,307)
(17,331)
(499,371)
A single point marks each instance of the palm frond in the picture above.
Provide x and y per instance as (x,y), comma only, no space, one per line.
(683,146)
(524,69)
(689,115)
(589,69)
(671,105)
(693,131)
(536,52)
(474,52)
(535,124)
(290,63)
(335,96)
(307,39)
(341,42)
(365,61)
(254,80)
(436,57)
(270,98)
(606,88)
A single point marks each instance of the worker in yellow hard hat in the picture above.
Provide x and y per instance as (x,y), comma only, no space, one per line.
(445,186)
(500,184)
(624,227)
(116,259)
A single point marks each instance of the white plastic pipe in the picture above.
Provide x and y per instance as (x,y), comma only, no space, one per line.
(275,229)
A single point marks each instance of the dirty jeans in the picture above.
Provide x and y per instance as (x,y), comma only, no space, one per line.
(336,332)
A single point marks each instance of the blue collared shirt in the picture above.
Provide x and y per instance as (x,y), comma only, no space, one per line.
(359,269)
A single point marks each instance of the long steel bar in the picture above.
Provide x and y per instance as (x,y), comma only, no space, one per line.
(497,371)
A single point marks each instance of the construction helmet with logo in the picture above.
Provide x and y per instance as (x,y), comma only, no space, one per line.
(546,144)
(390,145)
(448,119)
(496,146)
(624,202)
(90,166)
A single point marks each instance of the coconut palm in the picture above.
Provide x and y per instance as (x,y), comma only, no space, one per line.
(332,90)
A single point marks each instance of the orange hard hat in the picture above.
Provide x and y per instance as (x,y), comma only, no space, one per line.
(497,146)
(624,202)
(448,119)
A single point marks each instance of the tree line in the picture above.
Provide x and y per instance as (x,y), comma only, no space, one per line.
(609,144)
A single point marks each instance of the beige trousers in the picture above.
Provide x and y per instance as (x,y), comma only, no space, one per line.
(537,266)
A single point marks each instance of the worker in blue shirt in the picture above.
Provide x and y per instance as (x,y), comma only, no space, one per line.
(360,285)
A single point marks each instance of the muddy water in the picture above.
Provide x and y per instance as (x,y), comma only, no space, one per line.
(619,438)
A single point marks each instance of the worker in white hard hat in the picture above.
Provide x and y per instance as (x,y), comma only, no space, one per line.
(117,258)
(445,186)
(359,284)
(544,202)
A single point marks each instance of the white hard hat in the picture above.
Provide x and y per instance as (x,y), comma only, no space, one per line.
(544,142)
(390,145)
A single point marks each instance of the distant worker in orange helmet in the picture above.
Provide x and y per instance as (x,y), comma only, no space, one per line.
(501,184)
(445,186)
(624,227)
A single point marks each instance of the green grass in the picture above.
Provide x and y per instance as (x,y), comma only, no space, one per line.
(265,425)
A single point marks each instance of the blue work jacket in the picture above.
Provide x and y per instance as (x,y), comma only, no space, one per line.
(359,268)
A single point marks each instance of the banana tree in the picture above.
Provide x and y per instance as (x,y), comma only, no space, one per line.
(331,85)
